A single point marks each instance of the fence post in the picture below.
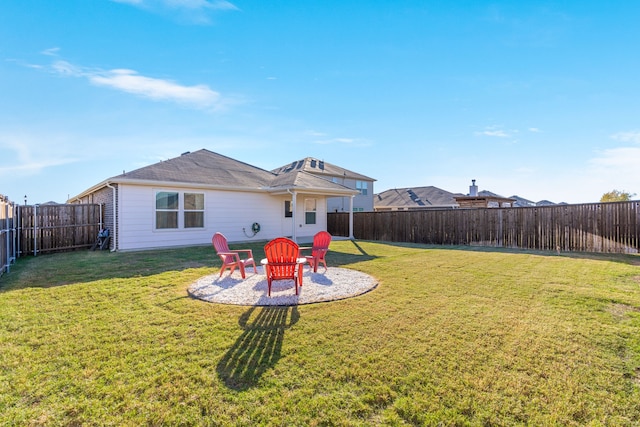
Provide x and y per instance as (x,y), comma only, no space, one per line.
(35,230)
(7,234)
(7,240)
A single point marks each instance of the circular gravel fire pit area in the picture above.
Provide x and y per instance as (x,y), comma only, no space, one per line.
(325,285)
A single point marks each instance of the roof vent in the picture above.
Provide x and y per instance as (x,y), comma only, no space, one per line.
(185,153)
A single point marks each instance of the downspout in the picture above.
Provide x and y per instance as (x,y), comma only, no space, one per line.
(293,214)
(114,233)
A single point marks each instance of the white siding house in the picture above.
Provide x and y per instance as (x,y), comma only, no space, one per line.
(185,200)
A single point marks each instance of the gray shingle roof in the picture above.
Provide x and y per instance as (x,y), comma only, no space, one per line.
(203,167)
(416,197)
(304,180)
(320,167)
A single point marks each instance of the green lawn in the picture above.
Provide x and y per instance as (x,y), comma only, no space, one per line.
(451,336)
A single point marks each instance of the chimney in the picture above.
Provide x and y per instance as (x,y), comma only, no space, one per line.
(473,188)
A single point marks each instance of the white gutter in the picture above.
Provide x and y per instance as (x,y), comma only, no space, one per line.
(114,234)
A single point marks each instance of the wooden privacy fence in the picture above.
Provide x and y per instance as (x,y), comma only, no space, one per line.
(55,228)
(8,236)
(594,227)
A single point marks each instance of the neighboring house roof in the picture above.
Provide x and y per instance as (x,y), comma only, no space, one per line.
(320,167)
(522,202)
(206,169)
(485,193)
(415,198)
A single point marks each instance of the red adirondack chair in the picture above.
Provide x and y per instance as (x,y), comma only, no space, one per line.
(320,247)
(282,262)
(231,258)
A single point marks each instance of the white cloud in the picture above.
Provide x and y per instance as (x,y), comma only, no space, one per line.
(51,51)
(157,89)
(66,69)
(615,168)
(132,2)
(627,137)
(200,4)
(315,133)
(176,4)
(497,133)
(344,141)
(129,81)
(619,159)
(534,130)
(195,11)
(27,155)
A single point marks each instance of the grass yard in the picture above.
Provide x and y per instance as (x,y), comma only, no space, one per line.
(451,336)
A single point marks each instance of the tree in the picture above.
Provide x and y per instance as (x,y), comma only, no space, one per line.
(616,196)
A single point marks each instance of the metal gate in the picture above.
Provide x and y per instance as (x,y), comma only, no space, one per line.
(8,234)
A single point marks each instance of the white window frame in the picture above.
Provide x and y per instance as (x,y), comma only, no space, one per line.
(195,210)
(180,210)
(157,210)
(310,209)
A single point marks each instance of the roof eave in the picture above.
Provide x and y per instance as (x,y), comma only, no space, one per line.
(155,183)
(318,191)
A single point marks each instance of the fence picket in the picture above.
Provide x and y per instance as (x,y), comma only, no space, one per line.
(57,228)
(593,227)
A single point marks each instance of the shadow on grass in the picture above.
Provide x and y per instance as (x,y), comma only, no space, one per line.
(338,259)
(258,348)
(59,269)
(50,270)
(67,268)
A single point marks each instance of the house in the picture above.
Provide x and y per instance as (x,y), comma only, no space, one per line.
(422,198)
(483,199)
(416,198)
(363,201)
(183,201)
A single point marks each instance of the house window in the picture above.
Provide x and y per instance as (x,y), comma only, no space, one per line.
(193,210)
(362,187)
(169,210)
(166,209)
(358,209)
(287,209)
(310,211)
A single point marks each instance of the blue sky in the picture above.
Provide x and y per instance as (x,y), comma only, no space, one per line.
(530,98)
